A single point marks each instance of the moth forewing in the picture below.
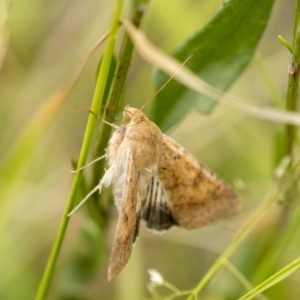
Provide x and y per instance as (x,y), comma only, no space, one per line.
(126,198)
(135,150)
(196,196)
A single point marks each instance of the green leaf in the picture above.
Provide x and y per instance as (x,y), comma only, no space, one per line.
(220,52)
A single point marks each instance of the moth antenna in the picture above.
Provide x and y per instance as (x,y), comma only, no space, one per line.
(104,121)
(88,164)
(166,82)
(94,190)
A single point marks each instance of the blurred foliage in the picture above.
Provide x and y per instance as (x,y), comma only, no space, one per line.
(218,52)
(41,43)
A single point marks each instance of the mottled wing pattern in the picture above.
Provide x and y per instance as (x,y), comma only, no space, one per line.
(127,221)
(156,211)
(195,195)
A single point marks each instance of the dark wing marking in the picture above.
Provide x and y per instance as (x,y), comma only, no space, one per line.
(156,211)
(196,196)
(137,227)
(127,223)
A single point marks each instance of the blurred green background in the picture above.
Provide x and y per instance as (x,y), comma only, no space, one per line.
(47,39)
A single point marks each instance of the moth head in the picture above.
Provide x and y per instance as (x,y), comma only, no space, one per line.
(132,116)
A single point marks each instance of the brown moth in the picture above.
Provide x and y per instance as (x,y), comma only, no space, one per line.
(157,180)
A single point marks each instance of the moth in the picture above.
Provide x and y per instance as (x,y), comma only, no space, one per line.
(157,180)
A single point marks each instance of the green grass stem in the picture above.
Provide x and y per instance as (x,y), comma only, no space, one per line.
(234,244)
(288,220)
(271,281)
(293,82)
(115,94)
(96,104)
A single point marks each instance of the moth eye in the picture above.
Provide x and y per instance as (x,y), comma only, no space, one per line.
(126,119)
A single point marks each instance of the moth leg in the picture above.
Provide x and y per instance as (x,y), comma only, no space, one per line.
(96,188)
(104,121)
(110,124)
(105,181)
(88,164)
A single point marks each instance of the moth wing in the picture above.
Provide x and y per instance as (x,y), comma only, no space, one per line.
(195,195)
(156,211)
(127,225)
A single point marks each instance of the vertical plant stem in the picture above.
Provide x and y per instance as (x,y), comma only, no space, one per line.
(293,82)
(117,88)
(288,222)
(96,104)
